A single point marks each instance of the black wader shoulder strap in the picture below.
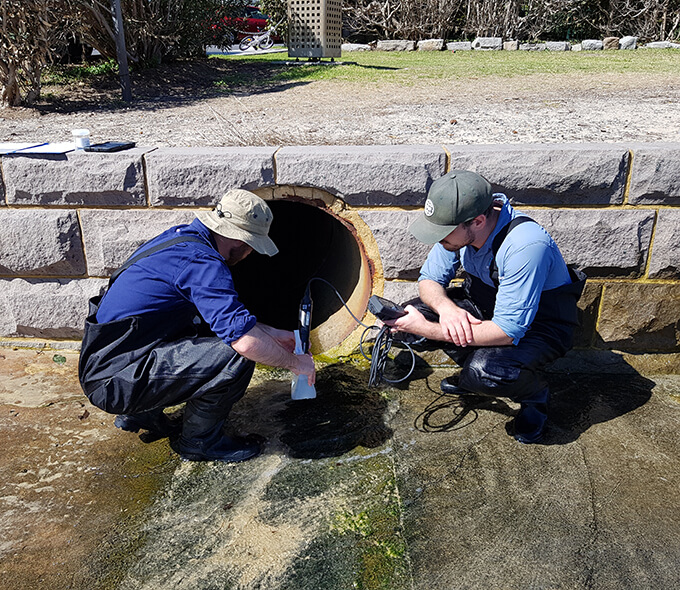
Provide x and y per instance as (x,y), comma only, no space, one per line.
(135,257)
(498,240)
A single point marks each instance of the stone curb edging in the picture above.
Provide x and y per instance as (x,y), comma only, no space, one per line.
(498,43)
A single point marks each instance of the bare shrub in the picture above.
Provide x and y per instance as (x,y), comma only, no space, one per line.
(156,30)
(28,31)
(511,19)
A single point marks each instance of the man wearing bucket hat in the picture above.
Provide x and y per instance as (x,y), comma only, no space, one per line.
(516,311)
(170,329)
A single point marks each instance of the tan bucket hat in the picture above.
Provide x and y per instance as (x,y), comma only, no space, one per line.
(241,215)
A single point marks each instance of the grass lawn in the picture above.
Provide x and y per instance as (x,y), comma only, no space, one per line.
(407,68)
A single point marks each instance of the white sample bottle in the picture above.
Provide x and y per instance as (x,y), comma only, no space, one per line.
(300,388)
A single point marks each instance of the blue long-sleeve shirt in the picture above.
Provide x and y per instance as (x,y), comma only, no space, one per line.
(529,262)
(177,278)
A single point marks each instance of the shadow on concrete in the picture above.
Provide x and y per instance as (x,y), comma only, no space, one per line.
(346,414)
(581,400)
(578,401)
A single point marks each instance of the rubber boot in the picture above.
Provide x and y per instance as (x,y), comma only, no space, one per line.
(156,422)
(202,439)
(529,423)
(450,386)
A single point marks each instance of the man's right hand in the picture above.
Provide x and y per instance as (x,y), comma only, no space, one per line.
(456,325)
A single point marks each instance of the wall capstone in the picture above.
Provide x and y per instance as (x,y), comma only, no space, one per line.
(655,178)
(364,175)
(75,178)
(537,174)
(190,177)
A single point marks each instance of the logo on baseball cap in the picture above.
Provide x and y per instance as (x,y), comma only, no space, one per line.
(456,197)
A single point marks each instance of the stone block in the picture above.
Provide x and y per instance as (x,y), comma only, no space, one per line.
(654,177)
(399,291)
(576,47)
(200,176)
(601,242)
(355,47)
(488,43)
(45,309)
(366,175)
(111,236)
(658,45)
(558,46)
(532,46)
(549,174)
(628,42)
(591,45)
(640,317)
(665,262)
(588,306)
(76,178)
(40,243)
(510,45)
(610,43)
(401,254)
(396,45)
(431,45)
(459,46)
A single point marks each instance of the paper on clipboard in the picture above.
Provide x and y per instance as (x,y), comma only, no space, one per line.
(10,148)
(48,148)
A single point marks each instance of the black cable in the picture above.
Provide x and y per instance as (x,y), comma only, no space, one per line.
(383,344)
(356,319)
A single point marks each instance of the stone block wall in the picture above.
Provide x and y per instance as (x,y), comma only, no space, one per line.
(613,209)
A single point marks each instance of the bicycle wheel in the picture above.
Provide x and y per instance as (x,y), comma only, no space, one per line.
(245,43)
(266,43)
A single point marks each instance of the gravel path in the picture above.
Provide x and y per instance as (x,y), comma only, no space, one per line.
(489,110)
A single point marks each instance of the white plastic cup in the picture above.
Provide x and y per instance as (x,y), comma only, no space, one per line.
(81,137)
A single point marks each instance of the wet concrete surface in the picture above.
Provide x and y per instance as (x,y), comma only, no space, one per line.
(391,488)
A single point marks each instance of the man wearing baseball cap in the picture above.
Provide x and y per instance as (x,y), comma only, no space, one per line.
(171,329)
(516,311)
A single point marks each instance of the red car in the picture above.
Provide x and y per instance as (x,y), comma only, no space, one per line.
(251,21)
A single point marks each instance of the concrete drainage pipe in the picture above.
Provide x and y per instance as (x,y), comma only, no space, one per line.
(313,241)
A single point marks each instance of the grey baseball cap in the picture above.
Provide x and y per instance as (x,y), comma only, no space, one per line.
(456,197)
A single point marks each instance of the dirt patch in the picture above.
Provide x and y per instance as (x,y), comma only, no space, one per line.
(184,105)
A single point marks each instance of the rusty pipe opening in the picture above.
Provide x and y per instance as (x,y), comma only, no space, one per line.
(312,242)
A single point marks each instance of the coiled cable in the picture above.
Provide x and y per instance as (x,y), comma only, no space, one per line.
(381,347)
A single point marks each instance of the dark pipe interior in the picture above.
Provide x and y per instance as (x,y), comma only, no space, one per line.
(312,243)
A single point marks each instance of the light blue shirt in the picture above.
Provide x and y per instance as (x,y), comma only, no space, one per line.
(529,262)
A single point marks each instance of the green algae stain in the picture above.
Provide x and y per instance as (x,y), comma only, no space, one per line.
(132,483)
(348,522)
(357,539)
(375,533)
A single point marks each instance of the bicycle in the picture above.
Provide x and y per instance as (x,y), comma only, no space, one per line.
(261,40)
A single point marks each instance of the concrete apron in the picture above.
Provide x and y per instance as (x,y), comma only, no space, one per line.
(361,488)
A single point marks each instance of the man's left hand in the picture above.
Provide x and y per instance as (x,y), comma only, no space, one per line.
(413,322)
